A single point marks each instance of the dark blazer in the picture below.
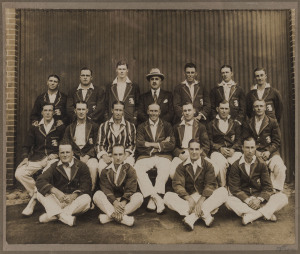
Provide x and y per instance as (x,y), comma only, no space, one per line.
(164,130)
(268,138)
(38,144)
(95,100)
(126,184)
(60,102)
(199,133)
(55,176)
(91,132)
(258,184)
(131,100)
(230,139)
(185,182)
(201,100)
(164,100)
(237,102)
(273,101)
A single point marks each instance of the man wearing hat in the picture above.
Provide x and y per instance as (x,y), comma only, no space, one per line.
(161,97)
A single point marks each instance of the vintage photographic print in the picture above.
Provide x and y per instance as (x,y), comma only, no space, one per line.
(149,126)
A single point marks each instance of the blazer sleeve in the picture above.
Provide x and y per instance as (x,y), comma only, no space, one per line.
(266,184)
(204,140)
(131,184)
(29,143)
(242,108)
(169,116)
(177,101)
(131,139)
(178,150)
(142,114)
(206,103)
(35,114)
(85,183)
(238,137)
(210,180)
(93,140)
(168,146)
(101,141)
(98,114)
(44,182)
(275,137)
(140,141)
(278,105)
(178,182)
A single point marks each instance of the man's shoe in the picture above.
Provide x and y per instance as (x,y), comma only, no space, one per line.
(67,219)
(104,218)
(128,220)
(28,211)
(247,218)
(151,204)
(44,218)
(159,202)
(190,220)
(273,218)
(208,220)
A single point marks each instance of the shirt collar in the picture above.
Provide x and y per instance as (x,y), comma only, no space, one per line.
(255,86)
(90,86)
(188,161)
(112,166)
(190,122)
(231,83)
(80,123)
(43,121)
(52,94)
(152,123)
(242,160)
(70,164)
(157,91)
(111,120)
(186,83)
(116,80)
(219,118)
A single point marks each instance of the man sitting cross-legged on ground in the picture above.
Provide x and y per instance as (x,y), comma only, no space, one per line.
(251,188)
(118,184)
(64,189)
(196,193)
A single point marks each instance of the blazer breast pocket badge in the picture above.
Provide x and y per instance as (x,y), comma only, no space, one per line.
(268,139)
(269,108)
(91,141)
(201,101)
(131,101)
(166,100)
(236,103)
(232,137)
(94,107)
(258,181)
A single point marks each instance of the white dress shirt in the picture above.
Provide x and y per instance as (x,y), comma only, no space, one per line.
(121,87)
(247,165)
(67,168)
(153,127)
(80,135)
(84,90)
(223,124)
(188,133)
(260,92)
(195,165)
(227,87)
(48,126)
(191,88)
(258,124)
(52,97)
(116,171)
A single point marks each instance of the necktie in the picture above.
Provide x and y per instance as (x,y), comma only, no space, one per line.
(155,96)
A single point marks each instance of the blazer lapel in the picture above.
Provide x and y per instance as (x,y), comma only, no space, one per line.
(264,124)
(127,91)
(230,125)
(196,89)
(74,170)
(160,97)
(110,176)
(252,168)
(221,92)
(46,97)
(181,132)
(79,94)
(189,169)
(159,129)
(195,129)
(88,129)
(61,170)
(72,130)
(88,94)
(252,125)
(199,170)
(232,90)
(187,91)
(42,130)
(57,98)
(266,93)
(243,169)
(148,130)
(114,91)
(122,176)
(53,128)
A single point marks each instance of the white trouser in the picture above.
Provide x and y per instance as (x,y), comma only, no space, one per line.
(100,199)
(102,165)
(276,202)
(175,203)
(53,207)
(24,173)
(277,175)
(163,171)
(222,163)
(92,164)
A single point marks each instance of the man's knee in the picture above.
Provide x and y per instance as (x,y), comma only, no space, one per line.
(85,199)
(99,195)
(169,197)
(138,198)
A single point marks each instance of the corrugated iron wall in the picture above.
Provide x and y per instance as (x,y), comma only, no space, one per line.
(63,41)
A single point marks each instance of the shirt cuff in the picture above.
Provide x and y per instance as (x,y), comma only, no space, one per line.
(261,199)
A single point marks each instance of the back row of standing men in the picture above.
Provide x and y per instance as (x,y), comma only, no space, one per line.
(226,106)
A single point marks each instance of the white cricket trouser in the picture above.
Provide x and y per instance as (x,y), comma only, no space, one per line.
(92,164)
(277,168)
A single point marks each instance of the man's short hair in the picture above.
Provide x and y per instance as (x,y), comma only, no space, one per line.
(190,65)
(65,142)
(117,103)
(118,145)
(122,62)
(154,103)
(47,104)
(249,138)
(80,102)
(262,100)
(187,103)
(259,69)
(226,66)
(223,102)
(86,69)
(194,141)
(54,76)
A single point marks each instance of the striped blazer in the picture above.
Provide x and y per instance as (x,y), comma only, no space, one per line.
(107,137)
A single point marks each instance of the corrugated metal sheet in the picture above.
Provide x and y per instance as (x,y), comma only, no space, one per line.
(63,41)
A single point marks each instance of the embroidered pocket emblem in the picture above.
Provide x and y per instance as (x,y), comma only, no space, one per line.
(258,181)
(166,100)
(268,139)
(269,108)
(201,101)
(236,103)
(232,137)
(94,107)
(131,101)
(91,141)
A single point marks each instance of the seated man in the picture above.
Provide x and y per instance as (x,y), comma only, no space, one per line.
(251,188)
(266,133)
(225,138)
(196,193)
(64,188)
(117,130)
(118,196)
(39,152)
(82,135)
(188,129)
(155,142)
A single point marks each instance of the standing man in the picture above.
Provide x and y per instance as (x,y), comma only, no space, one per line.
(118,196)
(116,130)
(228,90)
(89,93)
(155,143)
(188,129)
(82,135)
(162,97)
(196,193)
(263,91)
(122,89)
(64,189)
(251,188)
(39,152)
(225,141)
(53,96)
(192,91)
(266,133)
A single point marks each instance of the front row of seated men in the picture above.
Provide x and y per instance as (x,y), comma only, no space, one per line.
(155,142)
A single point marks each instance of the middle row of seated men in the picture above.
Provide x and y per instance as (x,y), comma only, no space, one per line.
(154,142)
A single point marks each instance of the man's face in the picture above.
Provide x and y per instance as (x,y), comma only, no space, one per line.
(122,71)
(47,112)
(85,77)
(194,151)
(118,111)
(226,74)
(223,110)
(153,112)
(155,82)
(249,149)
(81,111)
(52,83)
(65,153)
(118,155)
(188,112)
(259,108)
(260,77)
(190,74)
